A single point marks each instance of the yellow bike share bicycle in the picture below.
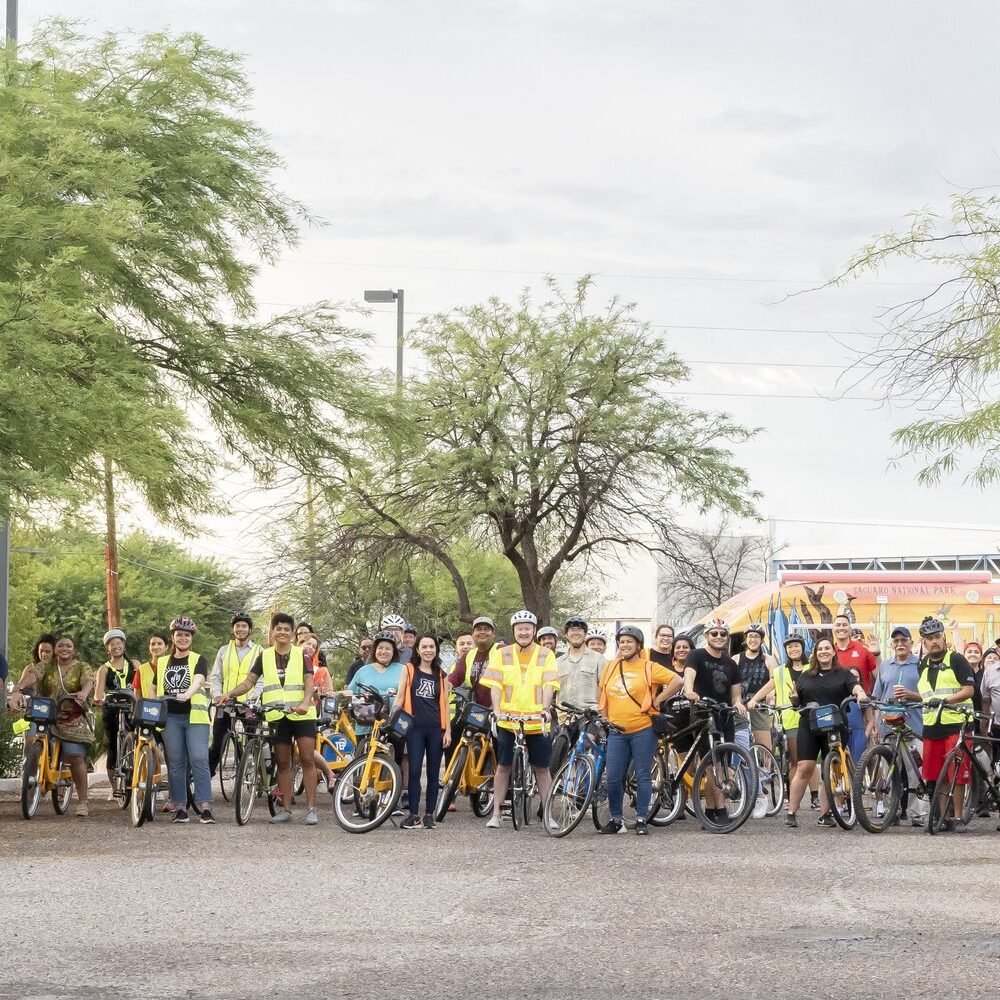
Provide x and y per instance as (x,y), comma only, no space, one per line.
(44,771)
(473,764)
(137,774)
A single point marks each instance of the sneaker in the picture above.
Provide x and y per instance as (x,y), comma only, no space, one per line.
(111,794)
(983,813)
(957,826)
(641,828)
(428,821)
(398,811)
(791,821)
(206,816)
(826,820)
(281,816)
(411,822)
(920,821)
(83,809)
(180,816)
(312,817)
(613,826)
(814,800)
(760,807)
(494,823)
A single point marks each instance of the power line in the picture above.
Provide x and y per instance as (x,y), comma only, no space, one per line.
(775,395)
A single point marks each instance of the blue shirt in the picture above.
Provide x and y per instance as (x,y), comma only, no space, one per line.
(892,672)
(381,680)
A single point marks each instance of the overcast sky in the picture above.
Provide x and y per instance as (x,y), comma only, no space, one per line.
(704,160)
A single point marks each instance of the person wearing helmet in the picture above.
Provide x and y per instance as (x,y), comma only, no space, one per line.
(396,624)
(578,668)
(628,688)
(383,673)
(597,640)
(181,675)
(547,637)
(115,674)
(945,677)
(756,668)
(409,637)
(287,701)
(523,680)
(232,664)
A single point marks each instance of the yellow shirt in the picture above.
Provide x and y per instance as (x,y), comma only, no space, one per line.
(622,710)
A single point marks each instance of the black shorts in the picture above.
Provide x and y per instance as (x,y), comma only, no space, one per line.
(811,745)
(285,729)
(539,748)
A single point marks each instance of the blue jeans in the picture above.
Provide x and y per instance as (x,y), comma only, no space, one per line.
(186,747)
(636,747)
(423,742)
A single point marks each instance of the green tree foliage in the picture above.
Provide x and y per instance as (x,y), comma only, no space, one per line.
(58,586)
(549,432)
(137,202)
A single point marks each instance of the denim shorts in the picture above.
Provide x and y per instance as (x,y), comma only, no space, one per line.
(65,746)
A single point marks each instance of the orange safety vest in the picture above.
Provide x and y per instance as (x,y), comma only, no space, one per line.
(646,705)
(408,674)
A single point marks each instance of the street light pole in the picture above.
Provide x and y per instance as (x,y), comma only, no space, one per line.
(11,20)
(388,295)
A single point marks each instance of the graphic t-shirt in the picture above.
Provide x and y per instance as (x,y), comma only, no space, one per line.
(177,679)
(714,676)
(425,690)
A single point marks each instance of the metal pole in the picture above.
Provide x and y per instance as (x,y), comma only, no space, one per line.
(11,20)
(399,339)
(111,547)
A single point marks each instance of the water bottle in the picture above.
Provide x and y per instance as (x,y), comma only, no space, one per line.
(983,758)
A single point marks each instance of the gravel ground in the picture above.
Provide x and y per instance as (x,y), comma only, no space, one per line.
(94,908)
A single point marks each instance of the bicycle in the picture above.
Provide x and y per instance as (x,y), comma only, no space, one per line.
(122,702)
(879,775)
(473,765)
(141,774)
(369,788)
(838,765)
(522,778)
(694,729)
(257,772)
(772,772)
(336,741)
(983,788)
(43,770)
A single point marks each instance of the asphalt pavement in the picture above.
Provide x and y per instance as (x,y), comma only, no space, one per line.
(92,908)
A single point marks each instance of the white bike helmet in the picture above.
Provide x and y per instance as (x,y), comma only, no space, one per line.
(394,621)
(113,633)
(524,615)
(597,633)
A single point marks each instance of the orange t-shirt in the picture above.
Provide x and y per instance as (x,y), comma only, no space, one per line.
(622,710)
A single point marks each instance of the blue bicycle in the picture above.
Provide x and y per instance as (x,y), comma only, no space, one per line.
(577,782)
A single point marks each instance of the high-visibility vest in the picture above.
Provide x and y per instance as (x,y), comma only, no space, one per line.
(199,700)
(120,675)
(291,692)
(947,684)
(235,670)
(521,688)
(784,685)
(147,680)
(408,672)
(646,705)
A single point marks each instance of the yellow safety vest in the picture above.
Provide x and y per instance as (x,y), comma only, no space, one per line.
(147,680)
(235,670)
(199,700)
(784,685)
(521,688)
(120,675)
(947,684)
(291,692)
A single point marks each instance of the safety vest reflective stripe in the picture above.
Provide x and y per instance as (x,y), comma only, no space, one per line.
(120,675)
(947,684)
(199,700)
(235,670)
(784,684)
(292,691)
(522,687)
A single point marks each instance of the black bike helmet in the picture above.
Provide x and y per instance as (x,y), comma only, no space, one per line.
(795,637)
(241,616)
(931,626)
(575,621)
(632,632)
(388,637)
(757,628)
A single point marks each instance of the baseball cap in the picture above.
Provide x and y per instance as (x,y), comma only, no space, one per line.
(483,620)
(901,630)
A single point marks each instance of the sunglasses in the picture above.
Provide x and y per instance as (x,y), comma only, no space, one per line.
(717,635)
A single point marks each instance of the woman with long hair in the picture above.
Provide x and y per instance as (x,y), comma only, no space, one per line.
(424,693)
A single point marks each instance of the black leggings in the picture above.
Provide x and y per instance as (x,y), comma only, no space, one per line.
(111,720)
(421,741)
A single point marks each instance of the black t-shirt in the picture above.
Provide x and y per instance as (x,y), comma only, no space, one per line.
(828,687)
(753,674)
(664,659)
(963,673)
(425,692)
(177,679)
(714,675)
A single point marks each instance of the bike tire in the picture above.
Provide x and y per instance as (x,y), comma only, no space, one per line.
(973,795)
(31,781)
(770,780)
(375,808)
(248,781)
(191,804)
(569,796)
(481,799)
(518,792)
(740,777)
(142,799)
(452,780)
(62,794)
(669,804)
(229,762)
(123,769)
(877,774)
(943,796)
(837,780)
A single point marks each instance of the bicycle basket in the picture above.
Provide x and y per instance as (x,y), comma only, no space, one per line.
(331,705)
(364,712)
(399,724)
(40,710)
(825,719)
(894,718)
(475,717)
(150,712)
(116,700)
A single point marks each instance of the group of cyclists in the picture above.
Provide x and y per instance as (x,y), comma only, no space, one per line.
(641,735)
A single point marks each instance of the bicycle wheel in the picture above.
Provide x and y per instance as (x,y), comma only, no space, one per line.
(31,781)
(191,804)
(877,788)
(973,795)
(452,779)
(142,804)
(481,799)
(62,794)
(770,782)
(941,811)
(361,805)
(839,788)
(229,760)
(298,775)
(732,770)
(248,785)
(569,797)
(519,791)
(123,769)
(667,806)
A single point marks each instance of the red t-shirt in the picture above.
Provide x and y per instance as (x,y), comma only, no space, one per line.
(858,657)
